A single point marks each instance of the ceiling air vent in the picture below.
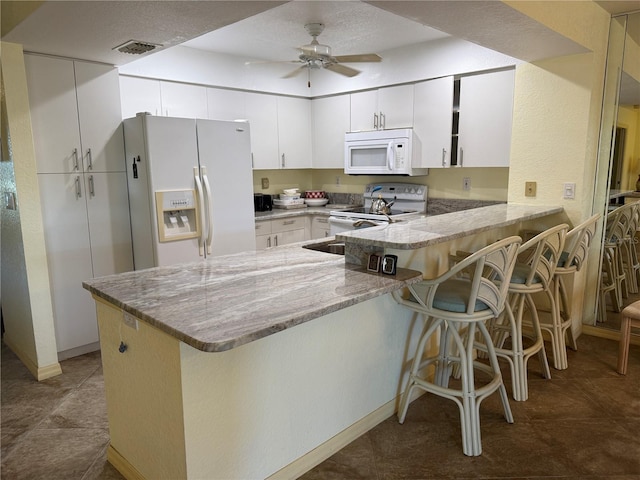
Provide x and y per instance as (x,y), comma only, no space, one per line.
(135,47)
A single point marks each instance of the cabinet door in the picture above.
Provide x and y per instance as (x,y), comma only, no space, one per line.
(139,95)
(432,120)
(54,114)
(262,113)
(291,236)
(98,91)
(226,104)
(294,132)
(486,114)
(183,100)
(320,227)
(64,216)
(263,241)
(364,106)
(330,120)
(395,105)
(109,224)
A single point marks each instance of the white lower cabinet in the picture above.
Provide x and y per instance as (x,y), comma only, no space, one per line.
(78,250)
(320,226)
(273,233)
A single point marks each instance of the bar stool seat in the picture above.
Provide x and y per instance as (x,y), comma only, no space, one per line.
(630,319)
(457,304)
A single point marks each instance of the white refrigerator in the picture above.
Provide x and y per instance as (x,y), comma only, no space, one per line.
(190,189)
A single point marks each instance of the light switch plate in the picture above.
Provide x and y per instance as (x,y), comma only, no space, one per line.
(569,191)
(265,183)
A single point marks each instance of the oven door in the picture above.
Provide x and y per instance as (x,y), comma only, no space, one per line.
(347,224)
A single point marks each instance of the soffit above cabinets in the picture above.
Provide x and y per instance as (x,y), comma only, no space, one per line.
(90,30)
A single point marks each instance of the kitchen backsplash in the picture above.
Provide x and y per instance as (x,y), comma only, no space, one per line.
(345,198)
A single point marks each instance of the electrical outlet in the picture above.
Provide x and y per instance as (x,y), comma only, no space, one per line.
(130,321)
(466,183)
(265,183)
(530,189)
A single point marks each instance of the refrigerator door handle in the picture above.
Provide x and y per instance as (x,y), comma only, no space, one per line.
(208,208)
(201,239)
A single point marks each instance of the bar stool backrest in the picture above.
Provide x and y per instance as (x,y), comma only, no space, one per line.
(618,223)
(541,255)
(577,244)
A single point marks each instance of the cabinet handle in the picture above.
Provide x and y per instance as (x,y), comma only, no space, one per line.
(461,157)
(89,159)
(275,237)
(288,222)
(92,193)
(444,156)
(78,188)
(268,241)
(253,165)
(322,220)
(375,121)
(283,160)
(76,166)
(382,121)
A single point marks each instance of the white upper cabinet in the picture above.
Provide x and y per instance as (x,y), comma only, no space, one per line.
(139,95)
(280,131)
(432,121)
(262,113)
(486,115)
(226,104)
(382,109)
(331,120)
(294,132)
(100,117)
(76,117)
(183,100)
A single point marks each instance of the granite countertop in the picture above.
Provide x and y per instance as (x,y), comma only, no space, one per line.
(430,230)
(227,301)
(623,193)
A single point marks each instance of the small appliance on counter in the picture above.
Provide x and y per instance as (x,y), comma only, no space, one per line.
(262,202)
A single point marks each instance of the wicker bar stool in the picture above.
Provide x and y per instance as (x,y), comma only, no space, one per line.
(533,273)
(572,259)
(630,319)
(457,304)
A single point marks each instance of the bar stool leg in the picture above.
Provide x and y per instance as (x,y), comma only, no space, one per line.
(623,349)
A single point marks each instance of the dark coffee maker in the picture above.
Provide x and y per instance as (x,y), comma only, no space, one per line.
(262,203)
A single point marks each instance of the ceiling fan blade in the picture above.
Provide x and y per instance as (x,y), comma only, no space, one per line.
(295,72)
(364,57)
(343,70)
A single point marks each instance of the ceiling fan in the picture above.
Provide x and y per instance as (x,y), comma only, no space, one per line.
(316,55)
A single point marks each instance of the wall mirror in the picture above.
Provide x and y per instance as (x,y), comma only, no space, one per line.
(619,146)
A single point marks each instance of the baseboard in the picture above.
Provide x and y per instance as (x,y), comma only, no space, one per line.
(608,333)
(121,464)
(77,351)
(336,443)
(39,373)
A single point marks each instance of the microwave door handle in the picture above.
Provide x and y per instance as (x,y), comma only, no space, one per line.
(390,159)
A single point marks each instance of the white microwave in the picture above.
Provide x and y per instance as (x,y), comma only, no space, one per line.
(383,152)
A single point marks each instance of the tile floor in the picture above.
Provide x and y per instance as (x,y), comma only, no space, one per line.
(581,424)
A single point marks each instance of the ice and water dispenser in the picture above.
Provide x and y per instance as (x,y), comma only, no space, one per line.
(177,212)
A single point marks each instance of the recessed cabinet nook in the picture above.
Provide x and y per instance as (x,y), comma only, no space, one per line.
(76,121)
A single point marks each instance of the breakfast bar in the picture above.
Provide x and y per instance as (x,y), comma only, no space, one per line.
(262,364)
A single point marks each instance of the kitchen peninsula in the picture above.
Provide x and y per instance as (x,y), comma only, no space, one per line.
(263,364)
